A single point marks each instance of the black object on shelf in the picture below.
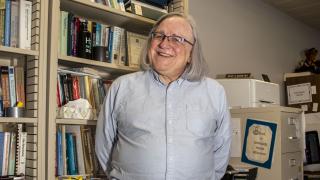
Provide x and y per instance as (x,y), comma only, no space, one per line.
(312,147)
(243,173)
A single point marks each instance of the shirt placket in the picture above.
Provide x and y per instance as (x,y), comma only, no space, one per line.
(170,120)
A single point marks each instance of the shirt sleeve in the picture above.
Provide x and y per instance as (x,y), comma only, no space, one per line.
(106,129)
(222,138)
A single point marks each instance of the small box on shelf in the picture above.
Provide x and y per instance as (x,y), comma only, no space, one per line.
(303,92)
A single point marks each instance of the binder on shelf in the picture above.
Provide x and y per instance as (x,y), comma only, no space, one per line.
(146,10)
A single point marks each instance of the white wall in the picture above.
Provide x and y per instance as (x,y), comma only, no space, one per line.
(250,36)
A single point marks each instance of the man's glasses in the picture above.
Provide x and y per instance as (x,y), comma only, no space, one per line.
(175,40)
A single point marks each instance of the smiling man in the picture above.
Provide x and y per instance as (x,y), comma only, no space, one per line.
(168,121)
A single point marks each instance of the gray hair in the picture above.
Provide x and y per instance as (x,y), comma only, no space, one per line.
(196,70)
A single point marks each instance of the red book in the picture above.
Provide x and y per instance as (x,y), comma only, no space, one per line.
(75,87)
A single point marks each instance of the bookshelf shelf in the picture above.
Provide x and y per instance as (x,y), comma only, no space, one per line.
(18,51)
(76,121)
(108,15)
(18,120)
(98,64)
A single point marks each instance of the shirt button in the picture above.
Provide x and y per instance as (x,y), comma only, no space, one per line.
(170,122)
(170,140)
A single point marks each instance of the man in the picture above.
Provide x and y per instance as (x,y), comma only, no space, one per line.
(168,121)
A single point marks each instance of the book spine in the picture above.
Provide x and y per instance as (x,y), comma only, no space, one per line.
(63,32)
(69,34)
(25,24)
(21,151)
(7,25)
(19,80)
(110,43)
(116,44)
(71,167)
(75,87)
(1,150)
(12,156)
(6,151)
(93,33)
(64,148)
(59,158)
(12,86)
(2,15)
(14,24)
(98,34)
(5,86)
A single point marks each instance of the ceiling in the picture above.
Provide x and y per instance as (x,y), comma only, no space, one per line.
(307,11)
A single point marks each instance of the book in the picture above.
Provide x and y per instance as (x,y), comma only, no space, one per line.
(7,23)
(123,45)
(63,32)
(87,160)
(5,86)
(14,37)
(116,38)
(70,30)
(6,150)
(25,11)
(12,154)
(20,85)
(2,149)
(21,152)
(2,20)
(64,148)
(135,43)
(59,158)
(12,86)
(71,166)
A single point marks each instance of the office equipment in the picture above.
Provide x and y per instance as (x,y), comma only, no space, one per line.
(288,150)
(250,92)
(312,147)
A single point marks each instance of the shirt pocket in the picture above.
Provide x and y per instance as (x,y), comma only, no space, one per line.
(200,122)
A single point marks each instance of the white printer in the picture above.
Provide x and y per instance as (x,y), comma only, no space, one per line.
(250,92)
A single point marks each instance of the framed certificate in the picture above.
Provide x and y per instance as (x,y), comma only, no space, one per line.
(258,145)
(136,43)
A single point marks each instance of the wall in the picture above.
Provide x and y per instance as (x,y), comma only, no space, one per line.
(250,36)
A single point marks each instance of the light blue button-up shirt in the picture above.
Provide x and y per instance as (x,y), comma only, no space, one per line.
(151,131)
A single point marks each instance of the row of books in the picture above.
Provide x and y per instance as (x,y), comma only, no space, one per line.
(80,37)
(75,151)
(12,87)
(117,4)
(152,9)
(13,151)
(15,23)
(74,85)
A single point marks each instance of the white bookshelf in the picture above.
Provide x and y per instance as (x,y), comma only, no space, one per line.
(34,63)
(95,12)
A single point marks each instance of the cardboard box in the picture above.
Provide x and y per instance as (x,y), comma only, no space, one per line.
(303,92)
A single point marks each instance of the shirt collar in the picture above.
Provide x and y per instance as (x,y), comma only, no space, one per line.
(156,77)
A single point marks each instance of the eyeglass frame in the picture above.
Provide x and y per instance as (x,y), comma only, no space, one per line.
(169,38)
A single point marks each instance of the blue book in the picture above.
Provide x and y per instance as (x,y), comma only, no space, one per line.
(7,23)
(59,158)
(1,150)
(71,166)
(98,35)
(110,42)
